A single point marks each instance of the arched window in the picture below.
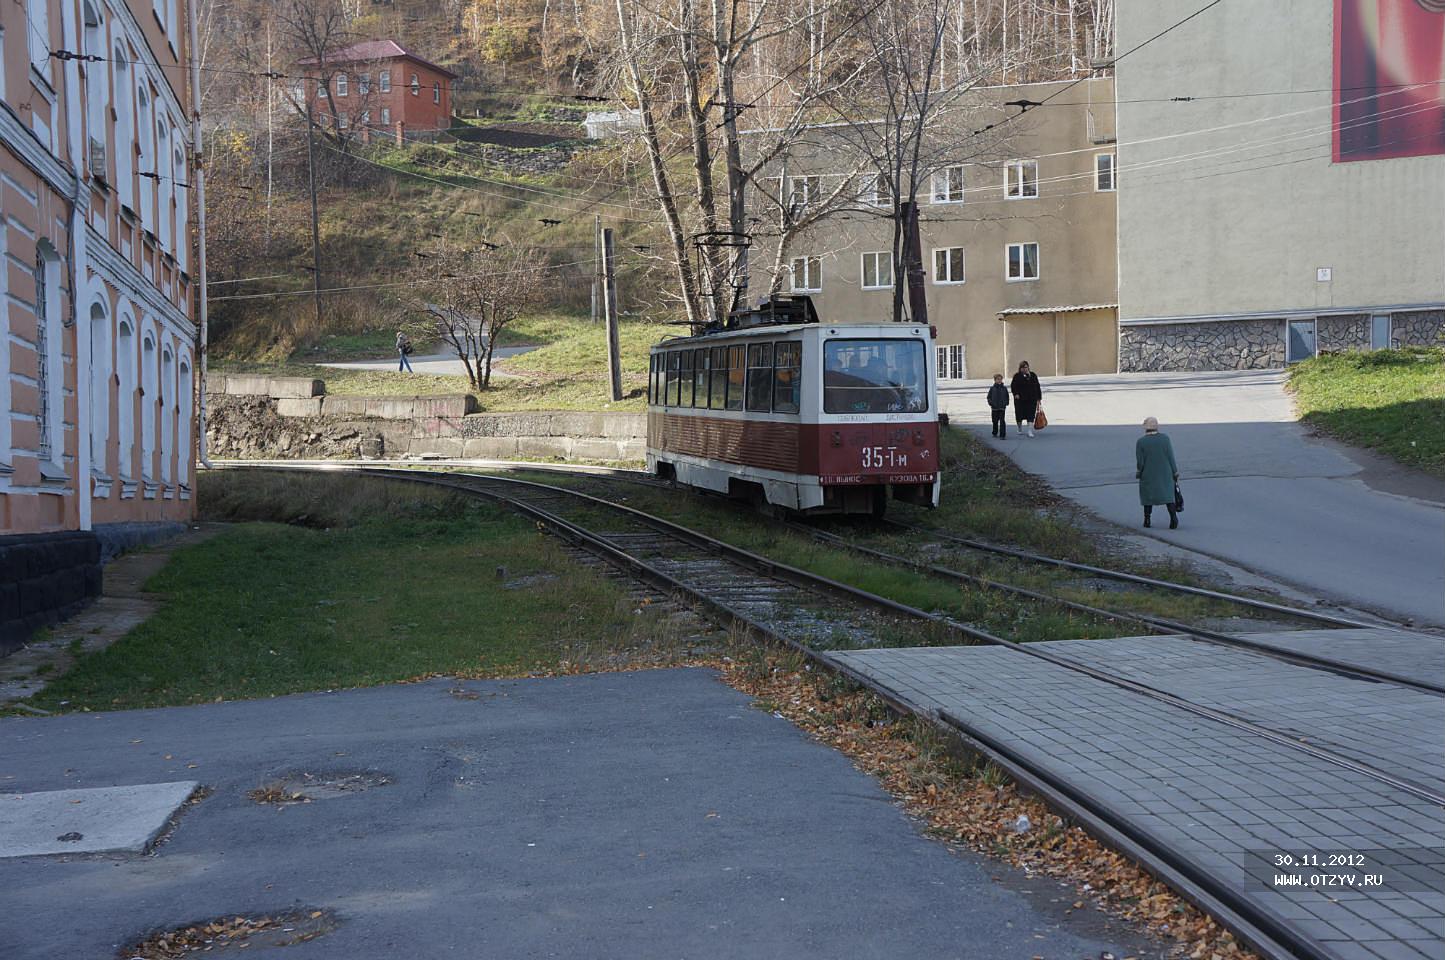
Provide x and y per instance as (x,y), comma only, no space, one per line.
(149,374)
(166,400)
(183,209)
(165,184)
(185,401)
(99,384)
(145,139)
(125,395)
(96,94)
(124,127)
(49,374)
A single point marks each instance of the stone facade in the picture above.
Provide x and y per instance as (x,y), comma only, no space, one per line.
(1347,332)
(1216,345)
(1260,344)
(1419,328)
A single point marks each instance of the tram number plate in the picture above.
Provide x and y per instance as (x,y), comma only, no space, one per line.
(877,457)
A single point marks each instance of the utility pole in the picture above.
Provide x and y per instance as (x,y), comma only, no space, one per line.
(270,134)
(596,267)
(609,286)
(315,220)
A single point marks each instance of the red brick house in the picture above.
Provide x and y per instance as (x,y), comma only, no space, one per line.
(378,86)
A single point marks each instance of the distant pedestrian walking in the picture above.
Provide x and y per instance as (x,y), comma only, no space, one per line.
(1027,395)
(403,348)
(1157,472)
(998,403)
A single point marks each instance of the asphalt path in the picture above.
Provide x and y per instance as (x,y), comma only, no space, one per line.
(1260,491)
(441,362)
(649,814)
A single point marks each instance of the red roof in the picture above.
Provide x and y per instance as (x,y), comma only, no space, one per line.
(369,50)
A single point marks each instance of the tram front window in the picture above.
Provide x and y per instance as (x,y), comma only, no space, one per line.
(874,376)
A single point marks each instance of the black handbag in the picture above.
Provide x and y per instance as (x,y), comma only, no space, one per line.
(1178,499)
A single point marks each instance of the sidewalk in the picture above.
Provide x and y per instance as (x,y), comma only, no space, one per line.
(1260,491)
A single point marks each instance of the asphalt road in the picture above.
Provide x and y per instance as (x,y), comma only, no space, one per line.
(651,814)
(1259,490)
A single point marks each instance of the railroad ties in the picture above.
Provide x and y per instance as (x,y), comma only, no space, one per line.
(1290,783)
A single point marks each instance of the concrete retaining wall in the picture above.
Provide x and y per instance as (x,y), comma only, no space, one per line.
(44,578)
(263,427)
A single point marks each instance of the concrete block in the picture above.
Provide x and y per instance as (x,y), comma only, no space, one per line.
(247,385)
(292,387)
(343,406)
(586,448)
(542,448)
(623,426)
(569,424)
(455,405)
(490,448)
(101,820)
(446,447)
(299,406)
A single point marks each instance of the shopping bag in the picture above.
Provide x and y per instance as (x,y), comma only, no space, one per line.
(1040,421)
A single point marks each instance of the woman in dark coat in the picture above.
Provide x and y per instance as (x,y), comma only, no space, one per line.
(1027,394)
(1156,470)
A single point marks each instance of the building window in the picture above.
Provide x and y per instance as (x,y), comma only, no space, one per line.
(39,34)
(383,80)
(1380,331)
(386,116)
(875,191)
(1103,171)
(49,378)
(950,362)
(185,401)
(341,84)
(343,122)
(415,86)
(803,191)
(125,394)
(948,185)
(365,118)
(807,275)
(1023,261)
(149,375)
(167,400)
(948,265)
(878,270)
(436,93)
(1021,179)
(363,84)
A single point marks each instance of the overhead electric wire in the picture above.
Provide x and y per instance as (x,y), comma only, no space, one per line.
(419,281)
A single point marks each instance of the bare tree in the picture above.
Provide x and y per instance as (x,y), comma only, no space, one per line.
(480,292)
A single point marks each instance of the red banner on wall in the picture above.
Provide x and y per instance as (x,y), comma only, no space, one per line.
(1389,86)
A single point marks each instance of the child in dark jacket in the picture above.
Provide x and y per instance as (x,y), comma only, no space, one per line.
(998,403)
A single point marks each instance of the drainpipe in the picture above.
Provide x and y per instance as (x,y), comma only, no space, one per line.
(198,183)
(76,134)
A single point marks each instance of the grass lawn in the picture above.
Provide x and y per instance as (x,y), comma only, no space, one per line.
(384,582)
(567,371)
(1392,401)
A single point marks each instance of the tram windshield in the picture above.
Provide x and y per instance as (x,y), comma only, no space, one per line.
(874,376)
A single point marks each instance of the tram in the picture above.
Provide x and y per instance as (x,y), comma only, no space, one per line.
(806,417)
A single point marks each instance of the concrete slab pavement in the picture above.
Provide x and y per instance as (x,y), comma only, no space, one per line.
(98,820)
(1259,490)
(639,815)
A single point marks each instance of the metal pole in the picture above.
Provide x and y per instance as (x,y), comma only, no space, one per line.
(596,267)
(609,284)
(198,177)
(315,220)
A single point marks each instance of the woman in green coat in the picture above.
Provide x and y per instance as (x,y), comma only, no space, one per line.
(1156,470)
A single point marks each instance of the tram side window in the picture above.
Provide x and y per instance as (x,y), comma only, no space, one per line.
(700,358)
(718,392)
(652,379)
(787,377)
(684,380)
(737,369)
(760,377)
(672,389)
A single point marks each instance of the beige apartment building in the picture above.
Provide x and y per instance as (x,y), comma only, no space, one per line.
(1018,239)
(1284,171)
(98,370)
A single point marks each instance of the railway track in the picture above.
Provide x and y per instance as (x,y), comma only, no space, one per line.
(812,614)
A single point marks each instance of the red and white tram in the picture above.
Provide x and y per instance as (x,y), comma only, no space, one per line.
(809,417)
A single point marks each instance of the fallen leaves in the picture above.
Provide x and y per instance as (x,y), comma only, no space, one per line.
(976,808)
(237,932)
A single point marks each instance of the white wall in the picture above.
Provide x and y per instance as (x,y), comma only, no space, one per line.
(1237,220)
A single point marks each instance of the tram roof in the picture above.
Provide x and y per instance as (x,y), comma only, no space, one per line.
(768,330)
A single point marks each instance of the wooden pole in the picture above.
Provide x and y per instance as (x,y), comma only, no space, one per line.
(609,288)
(315,219)
(596,268)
